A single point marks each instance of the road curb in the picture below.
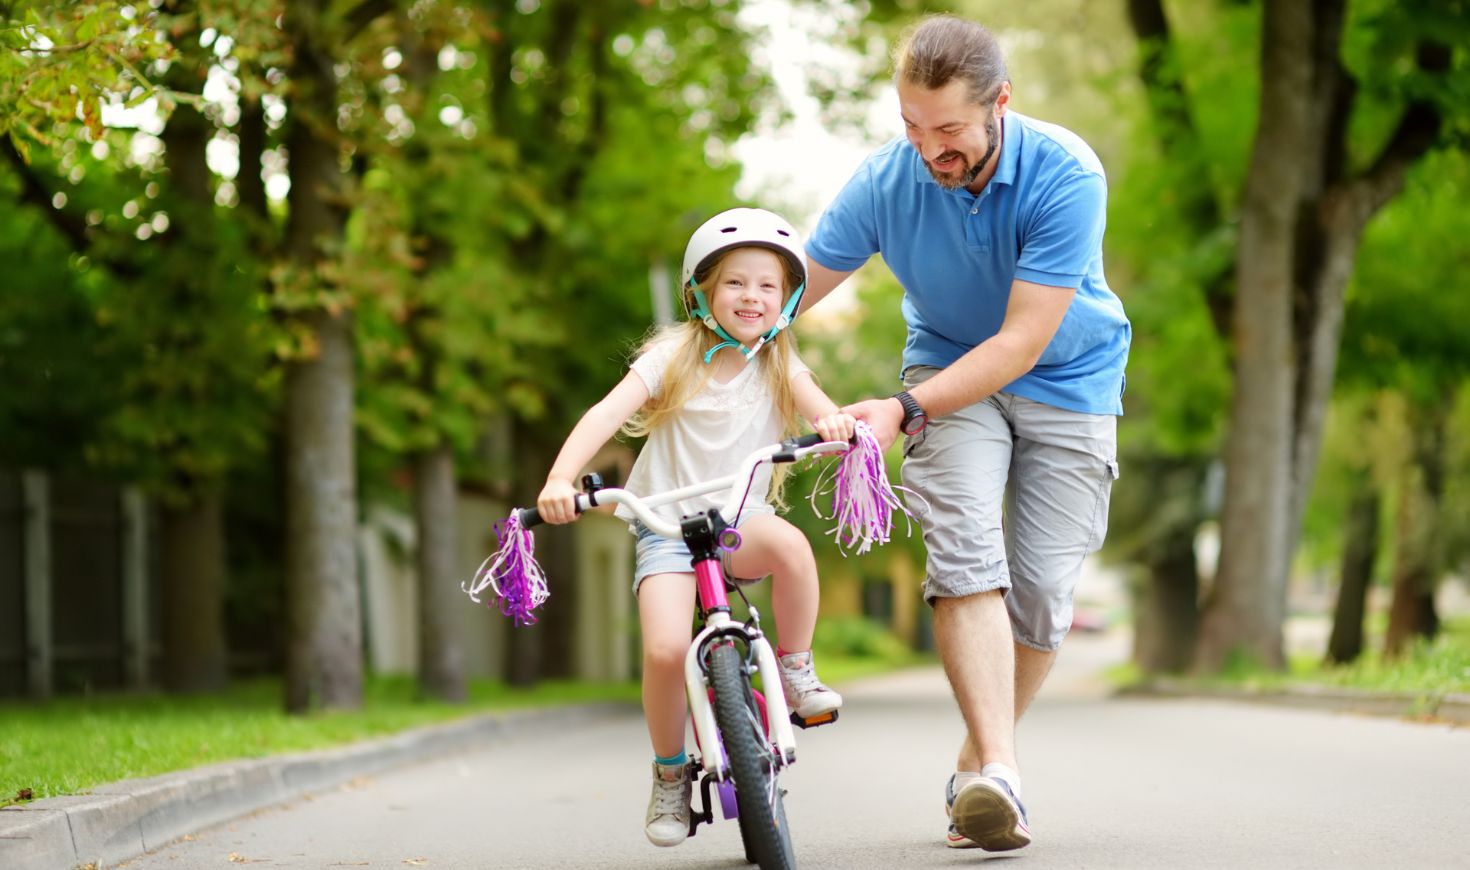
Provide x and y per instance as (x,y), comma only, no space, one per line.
(1453,708)
(123,820)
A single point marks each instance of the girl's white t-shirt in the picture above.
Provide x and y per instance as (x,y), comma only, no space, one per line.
(708,437)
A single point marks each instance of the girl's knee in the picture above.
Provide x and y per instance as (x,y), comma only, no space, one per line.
(664,655)
(790,548)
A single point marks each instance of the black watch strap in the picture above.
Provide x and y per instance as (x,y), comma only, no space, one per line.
(911,413)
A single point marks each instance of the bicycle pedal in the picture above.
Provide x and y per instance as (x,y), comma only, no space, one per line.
(814,721)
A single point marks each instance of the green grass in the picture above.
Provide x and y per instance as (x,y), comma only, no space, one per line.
(1433,669)
(1439,667)
(848,648)
(69,745)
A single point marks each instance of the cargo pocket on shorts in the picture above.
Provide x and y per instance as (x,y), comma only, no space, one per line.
(1100,509)
(912,442)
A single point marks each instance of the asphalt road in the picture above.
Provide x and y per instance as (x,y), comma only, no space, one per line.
(1125,783)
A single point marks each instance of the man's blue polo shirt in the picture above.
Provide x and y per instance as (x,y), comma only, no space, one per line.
(1039,219)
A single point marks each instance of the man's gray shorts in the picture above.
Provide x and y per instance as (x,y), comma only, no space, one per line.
(1060,466)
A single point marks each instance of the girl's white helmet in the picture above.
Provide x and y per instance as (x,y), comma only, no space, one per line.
(741,228)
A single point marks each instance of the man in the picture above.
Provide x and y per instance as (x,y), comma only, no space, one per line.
(1013,380)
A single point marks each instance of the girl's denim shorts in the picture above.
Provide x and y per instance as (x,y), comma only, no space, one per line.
(655,554)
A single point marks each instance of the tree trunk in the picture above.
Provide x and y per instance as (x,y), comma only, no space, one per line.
(192,533)
(1332,266)
(1305,205)
(1246,610)
(1359,552)
(1412,612)
(1167,626)
(545,649)
(441,655)
(250,180)
(1417,562)
(192,565)
(1337,205)
(324,649)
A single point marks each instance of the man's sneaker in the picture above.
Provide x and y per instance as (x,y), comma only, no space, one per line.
(953,838)
(986,813)
(805,694)
(667,823)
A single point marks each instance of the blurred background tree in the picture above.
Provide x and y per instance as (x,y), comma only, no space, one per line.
(275,262)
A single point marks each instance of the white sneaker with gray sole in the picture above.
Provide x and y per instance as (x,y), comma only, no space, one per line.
(805,693)
(667,822)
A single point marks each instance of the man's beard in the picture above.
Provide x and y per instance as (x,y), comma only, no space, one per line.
(969,173)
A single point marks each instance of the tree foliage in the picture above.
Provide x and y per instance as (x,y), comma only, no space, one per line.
(61,63)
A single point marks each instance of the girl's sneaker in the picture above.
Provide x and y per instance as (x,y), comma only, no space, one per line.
(667,822)
(805,694)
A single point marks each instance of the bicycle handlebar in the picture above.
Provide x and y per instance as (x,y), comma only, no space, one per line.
(789,450)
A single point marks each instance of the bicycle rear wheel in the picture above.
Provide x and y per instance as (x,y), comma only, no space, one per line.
(763,825)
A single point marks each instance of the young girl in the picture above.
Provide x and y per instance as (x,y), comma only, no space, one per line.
(706,392)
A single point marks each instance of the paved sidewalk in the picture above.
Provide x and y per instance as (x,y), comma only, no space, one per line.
(120,821)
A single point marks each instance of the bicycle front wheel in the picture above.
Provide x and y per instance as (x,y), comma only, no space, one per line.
(762,811)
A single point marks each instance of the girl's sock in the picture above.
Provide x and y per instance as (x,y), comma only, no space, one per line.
(673,760)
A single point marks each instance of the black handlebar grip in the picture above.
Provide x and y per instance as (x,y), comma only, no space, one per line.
(807,440)
(530,517)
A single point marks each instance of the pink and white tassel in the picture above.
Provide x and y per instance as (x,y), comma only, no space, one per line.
(511,573)
(863,500)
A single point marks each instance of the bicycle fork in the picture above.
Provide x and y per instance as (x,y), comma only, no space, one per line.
(696,685)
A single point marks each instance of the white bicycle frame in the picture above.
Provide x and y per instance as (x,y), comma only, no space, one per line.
(696,684)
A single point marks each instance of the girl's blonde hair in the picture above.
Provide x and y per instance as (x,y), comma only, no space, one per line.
(687,373)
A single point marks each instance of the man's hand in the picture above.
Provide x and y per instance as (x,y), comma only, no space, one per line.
(884,415)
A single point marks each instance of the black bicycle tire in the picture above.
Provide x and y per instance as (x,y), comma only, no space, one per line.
(763,826)
(747,839)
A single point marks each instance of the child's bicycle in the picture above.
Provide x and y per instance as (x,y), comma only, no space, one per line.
(744,739)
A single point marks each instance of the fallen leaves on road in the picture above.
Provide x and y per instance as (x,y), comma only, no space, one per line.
(415,862)
(237,858)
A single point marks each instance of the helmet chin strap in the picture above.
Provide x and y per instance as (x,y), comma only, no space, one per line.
(783,320)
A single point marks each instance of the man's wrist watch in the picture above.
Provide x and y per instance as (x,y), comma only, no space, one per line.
(914,418)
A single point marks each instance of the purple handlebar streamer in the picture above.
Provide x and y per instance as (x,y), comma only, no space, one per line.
(511,573)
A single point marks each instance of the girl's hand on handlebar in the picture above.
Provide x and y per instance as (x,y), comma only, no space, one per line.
(557,502)
(883,415)
(836,427)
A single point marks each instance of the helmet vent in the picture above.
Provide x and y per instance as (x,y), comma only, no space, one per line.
(729,229)
(783,232)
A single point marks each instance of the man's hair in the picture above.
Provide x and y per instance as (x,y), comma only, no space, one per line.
(942,48)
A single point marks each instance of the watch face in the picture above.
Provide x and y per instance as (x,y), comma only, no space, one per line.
(914,425)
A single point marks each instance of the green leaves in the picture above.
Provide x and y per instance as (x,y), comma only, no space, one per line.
(1405,317)
(62,62)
